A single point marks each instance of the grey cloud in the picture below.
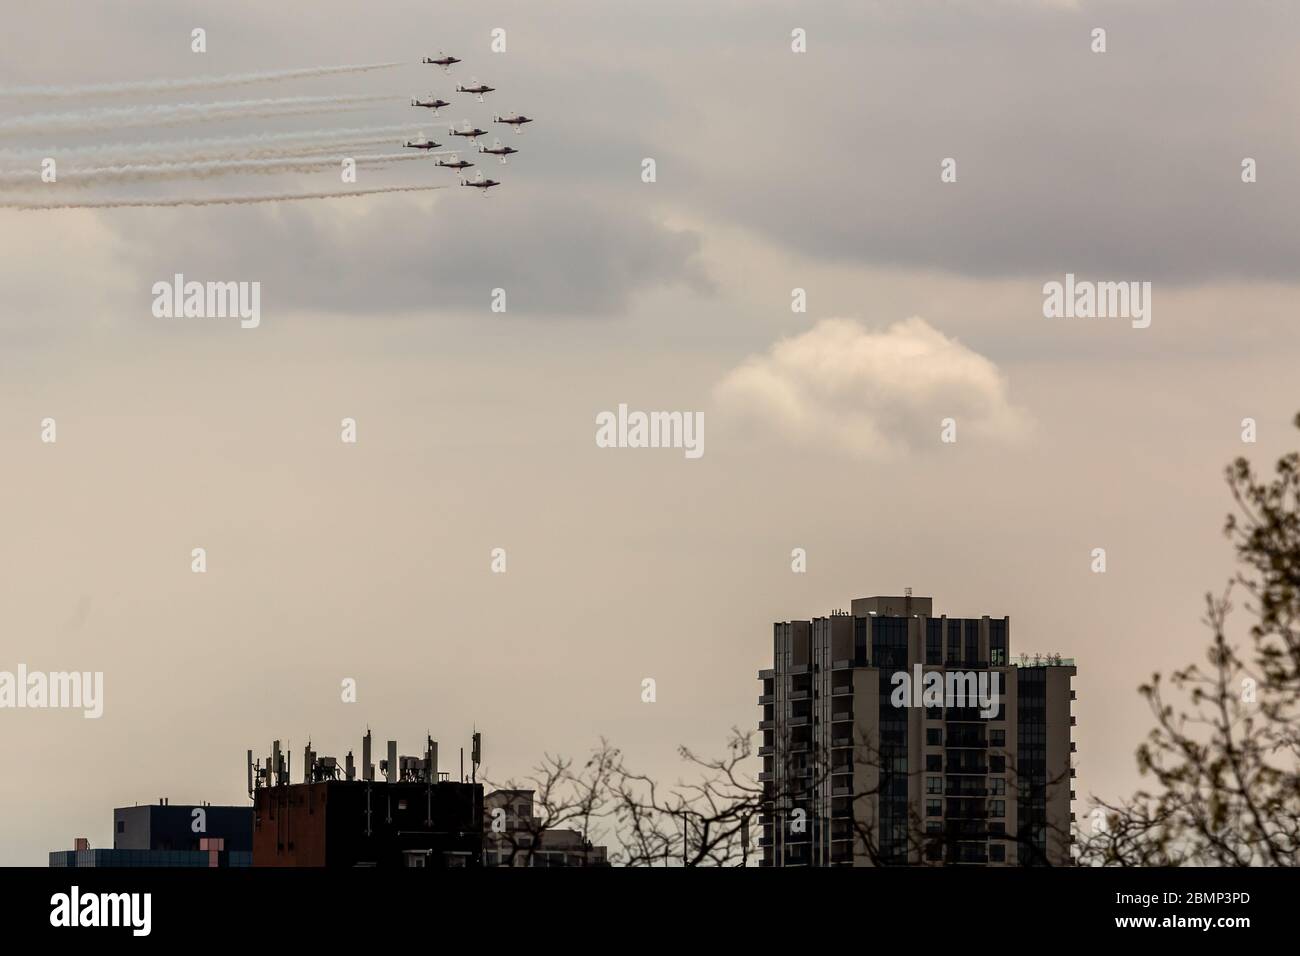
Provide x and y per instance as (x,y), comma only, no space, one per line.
(1124,164)
(573,255)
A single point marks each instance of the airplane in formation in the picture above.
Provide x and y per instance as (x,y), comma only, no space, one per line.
(471,133)
(432,103)
(477,88)
(498,150)
(443,61)
(421,144)
(517,121)
(478,182)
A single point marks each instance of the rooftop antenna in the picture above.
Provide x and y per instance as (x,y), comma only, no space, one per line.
(476,756)
(430,776)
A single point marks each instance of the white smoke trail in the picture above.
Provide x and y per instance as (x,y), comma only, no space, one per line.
(266,152)
(232,147)
(206,169)
(179,114)
(334,146)
(6,203)
(190,83)
(339,149)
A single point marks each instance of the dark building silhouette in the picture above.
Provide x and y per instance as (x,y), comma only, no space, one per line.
(168,826)
(167,834)
(414,817)
(513,836)
(368,823)
(852,776)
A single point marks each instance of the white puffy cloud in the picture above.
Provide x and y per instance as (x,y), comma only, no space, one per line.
(871,394)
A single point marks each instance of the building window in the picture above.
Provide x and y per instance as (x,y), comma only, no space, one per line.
(934,784)
(933,826)
(934,763)
(933,808)
(997,763)
(998,786)
(997,738)
(934,737)
(997,642)
(934,642)
(997,808)
(954,642)
(121,826)
(997,853)
(934,713)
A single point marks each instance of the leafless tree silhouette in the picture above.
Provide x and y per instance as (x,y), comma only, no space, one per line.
(1223,753)
(712,819)
(563,796)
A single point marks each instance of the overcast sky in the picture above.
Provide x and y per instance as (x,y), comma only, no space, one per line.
(775,171)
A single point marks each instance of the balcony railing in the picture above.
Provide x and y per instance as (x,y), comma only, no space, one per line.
(965,830)
(970,813)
